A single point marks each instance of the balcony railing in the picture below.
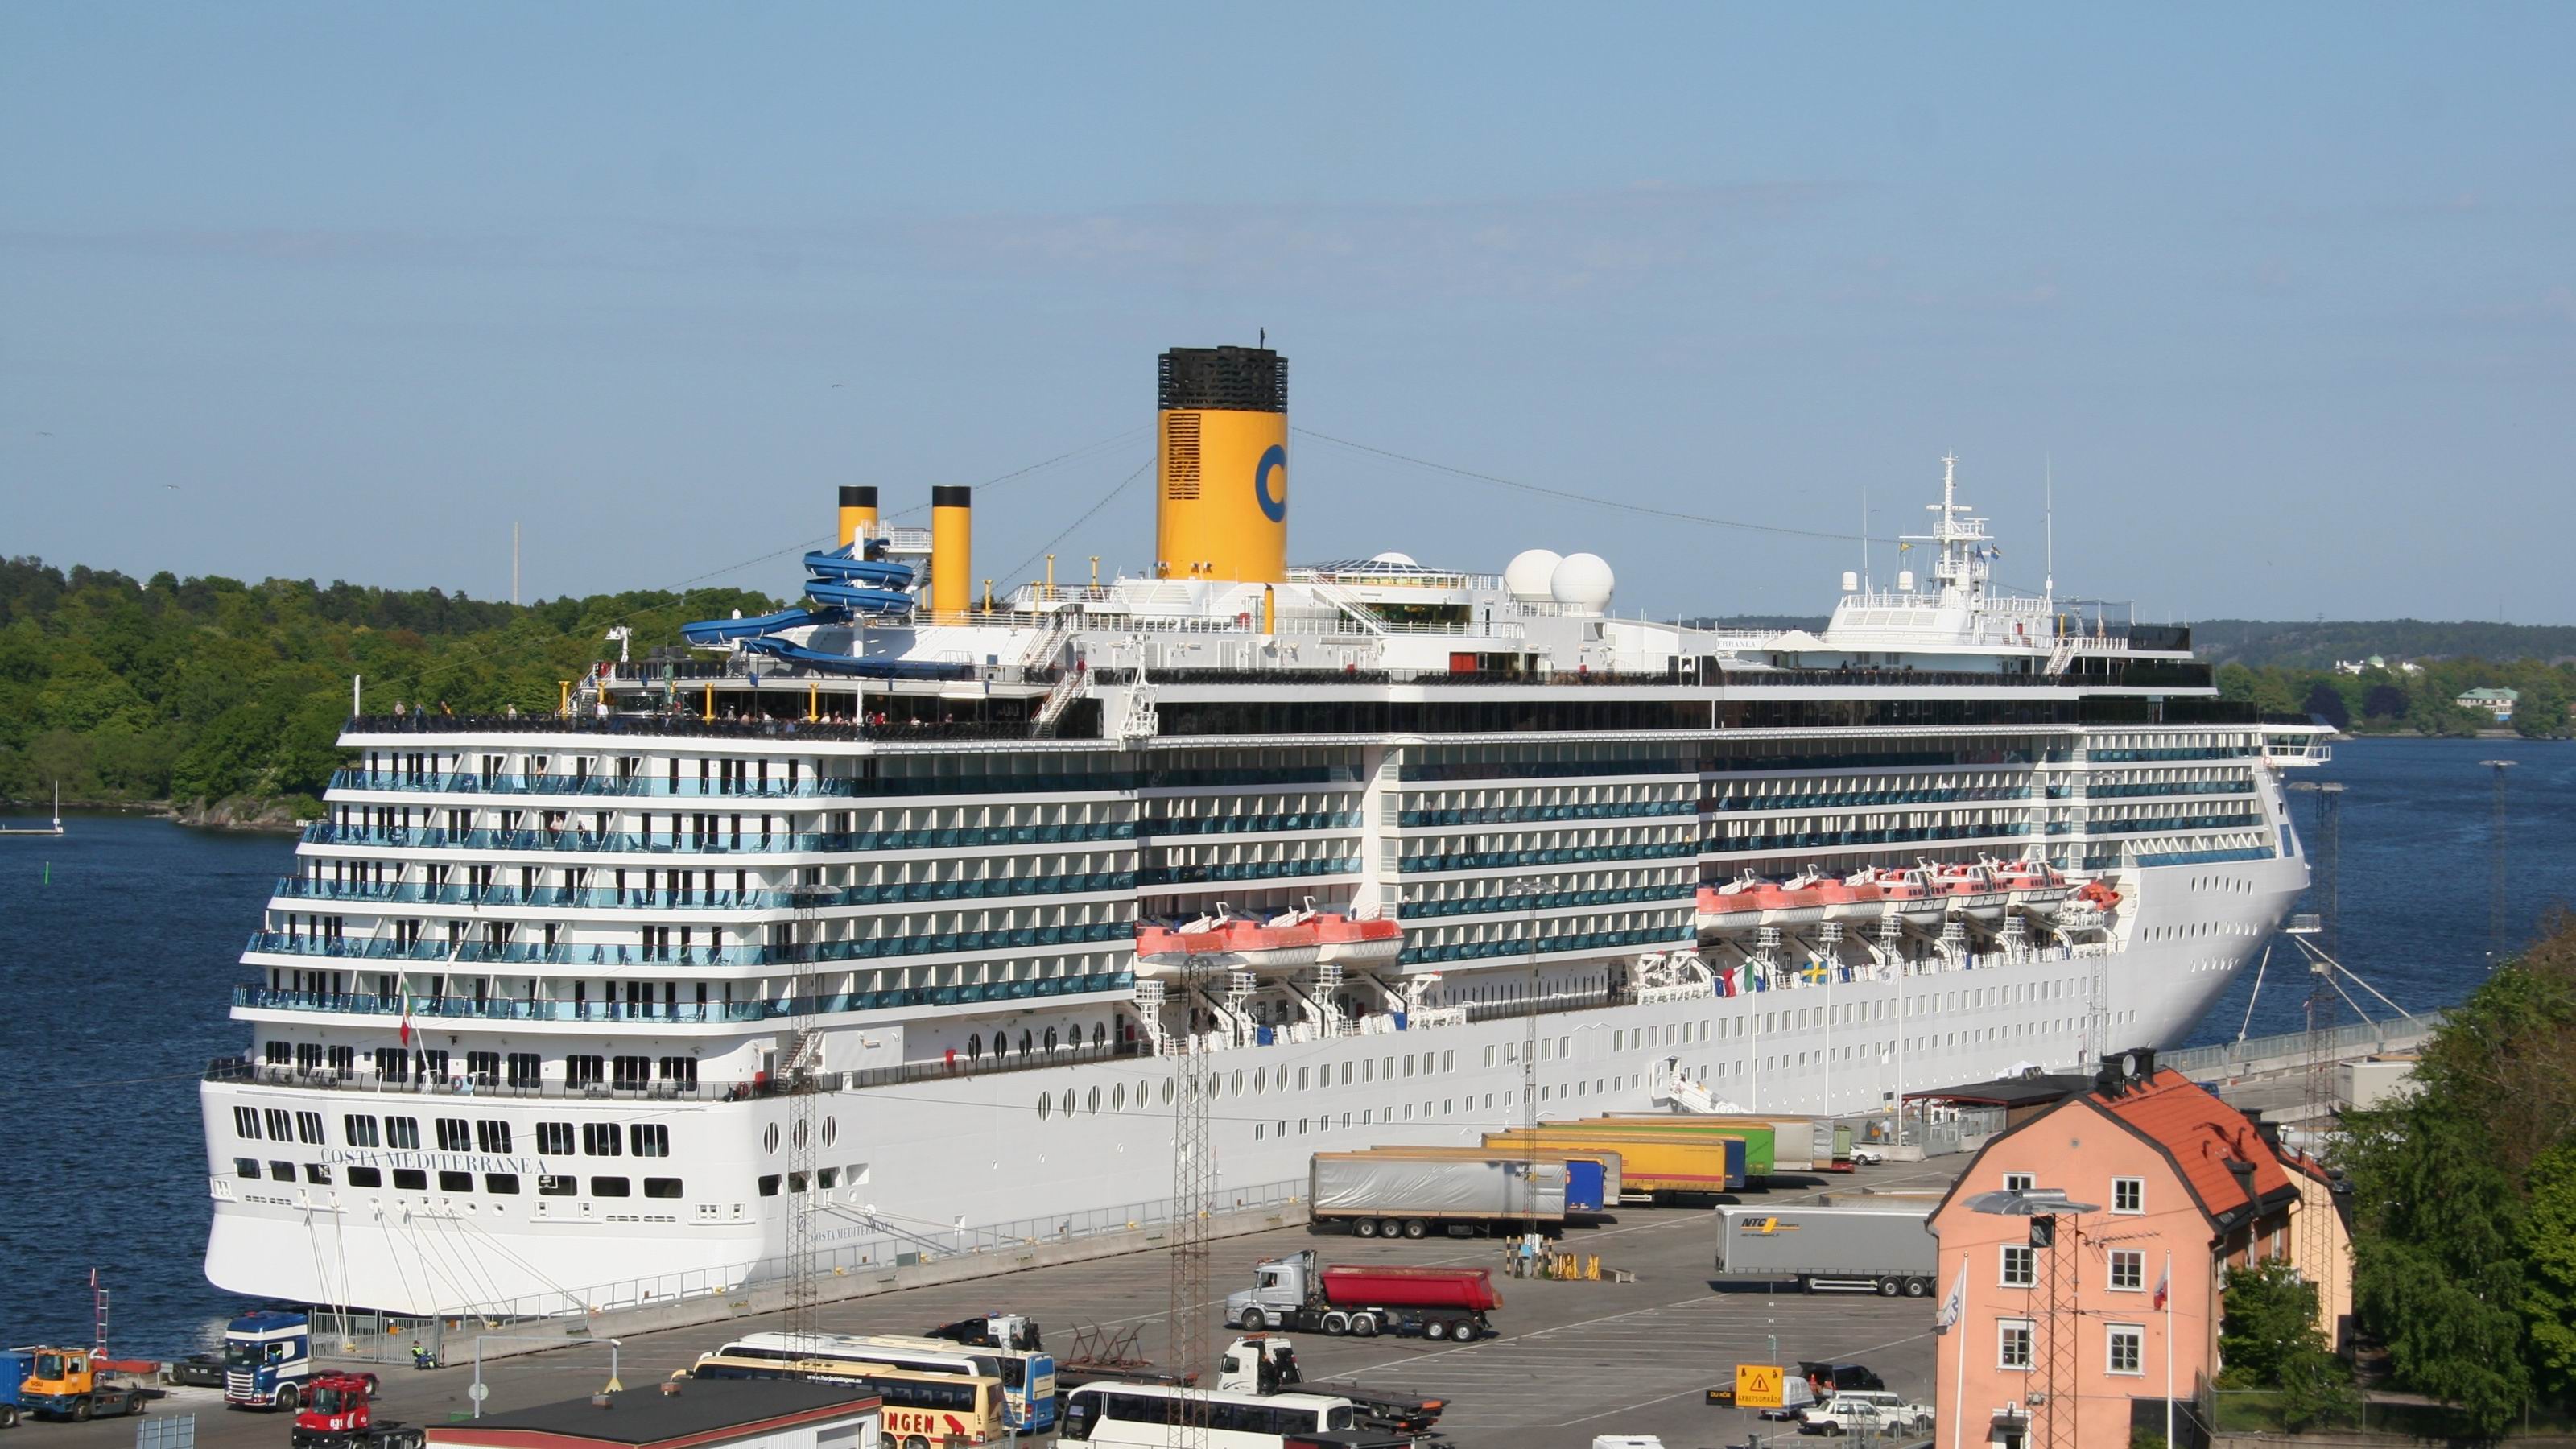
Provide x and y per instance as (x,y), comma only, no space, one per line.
(714,842)
(469,782)
(1572,855)
(685,1013)
(636,898)
(531,954)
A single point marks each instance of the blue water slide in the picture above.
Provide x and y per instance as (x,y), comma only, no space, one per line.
(857,599)
(838,564)
(725,631)
(865,668)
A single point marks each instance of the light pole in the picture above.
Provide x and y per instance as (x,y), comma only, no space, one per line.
(477,1393)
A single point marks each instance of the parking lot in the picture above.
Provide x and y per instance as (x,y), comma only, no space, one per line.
(1577,1358)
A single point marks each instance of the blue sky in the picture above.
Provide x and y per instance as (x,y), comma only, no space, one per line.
(2285,294)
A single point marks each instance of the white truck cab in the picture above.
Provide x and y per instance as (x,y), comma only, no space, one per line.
(1852,1410)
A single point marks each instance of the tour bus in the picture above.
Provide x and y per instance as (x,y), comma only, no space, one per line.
(1028,1376)
(921,1410)
(1115,1414)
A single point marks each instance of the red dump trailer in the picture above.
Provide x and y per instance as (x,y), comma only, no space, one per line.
(1297,1293)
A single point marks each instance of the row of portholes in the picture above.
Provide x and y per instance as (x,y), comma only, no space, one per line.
(769,1137)
(1263,1079)
(1049,1042)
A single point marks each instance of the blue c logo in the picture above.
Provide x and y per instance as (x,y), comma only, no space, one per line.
(1273,507)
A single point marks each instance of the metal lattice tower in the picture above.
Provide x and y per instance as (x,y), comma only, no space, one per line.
(1185,1323)
(804,1282)
(2495,868)
(2325,855)
(2061,1336)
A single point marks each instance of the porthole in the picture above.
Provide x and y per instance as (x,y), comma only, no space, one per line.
(1118,1098)
(798,1134)
(1167,1091)
(1238,1082)
(1256,1081)
(769,1138)
(1045,1104)
(1068,1101)
(831,1130)
(1092,1103)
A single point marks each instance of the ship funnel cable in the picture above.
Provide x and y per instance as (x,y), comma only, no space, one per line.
(1105,500)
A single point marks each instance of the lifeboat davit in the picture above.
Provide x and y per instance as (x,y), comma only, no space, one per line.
(1350,940)
(1853,898)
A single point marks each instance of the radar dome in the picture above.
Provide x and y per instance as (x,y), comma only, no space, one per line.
(1392,557)
(1528,576)
(1583,582)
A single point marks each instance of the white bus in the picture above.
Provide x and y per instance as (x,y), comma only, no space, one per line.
(1028,1378)
(1114,1414)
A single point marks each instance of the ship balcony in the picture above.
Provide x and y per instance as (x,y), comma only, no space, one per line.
(1248,870)
(1870,799)
(1291,822)
(1863,839)
(717,842)
(713,1013)
(944,943)
(1543,814)
(639,899)
(1524,903)
(595,786)
(1433,864)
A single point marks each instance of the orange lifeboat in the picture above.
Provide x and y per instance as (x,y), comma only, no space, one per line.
(1736,905)
(1909,896)
(1350,940)
(1797,901)
(1284,943)
(1853,898)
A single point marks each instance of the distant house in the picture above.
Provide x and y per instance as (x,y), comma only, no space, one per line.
(2083,1254)
(2497,702)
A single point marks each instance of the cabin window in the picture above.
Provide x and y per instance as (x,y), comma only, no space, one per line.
(609,1187)
(505,1183)
(246,1167)
(552,1185)
(366,1177)
(601,1139)
(661,1186)
(649,1139)
(769,1183)
(246,1123)
(455,1182)
(410,1179)
(402,1132)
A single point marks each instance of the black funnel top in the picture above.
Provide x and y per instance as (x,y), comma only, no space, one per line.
(1234,379)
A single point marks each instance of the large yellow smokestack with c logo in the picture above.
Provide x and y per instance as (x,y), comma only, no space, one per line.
(1221,511)
(952,549)
(858,513)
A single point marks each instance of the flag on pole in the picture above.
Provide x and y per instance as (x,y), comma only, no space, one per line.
(405,1033)
(2164,1283)
(1955,1306)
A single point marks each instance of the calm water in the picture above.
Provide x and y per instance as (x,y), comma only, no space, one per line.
(115,979)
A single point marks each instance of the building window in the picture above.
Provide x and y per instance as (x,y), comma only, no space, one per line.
(2020,1266)
(2128,1269)
(2018,1182)
(2012,1344)
(2128,1194)
(2126,1349)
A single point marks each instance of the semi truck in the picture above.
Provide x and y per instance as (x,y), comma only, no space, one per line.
(1301,1294)
(1831,1249)
(68,1383)
(1660,1166)
(339,1413)
(1593,1180)
(1383,1194)
(268,1360)
(1266,1364)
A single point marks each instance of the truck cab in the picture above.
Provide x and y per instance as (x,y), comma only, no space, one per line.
(1279,1289)
(67,1383)
(268,1360)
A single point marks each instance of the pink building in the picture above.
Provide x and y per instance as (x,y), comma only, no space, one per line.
(2068,1320)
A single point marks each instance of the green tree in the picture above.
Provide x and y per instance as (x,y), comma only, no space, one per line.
(2327,703)
(2269,1339)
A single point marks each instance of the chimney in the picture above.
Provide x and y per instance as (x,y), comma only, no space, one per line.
(952,549)
(2106,1077)
(2144,1058)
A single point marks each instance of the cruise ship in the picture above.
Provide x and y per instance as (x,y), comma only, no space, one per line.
(890,914)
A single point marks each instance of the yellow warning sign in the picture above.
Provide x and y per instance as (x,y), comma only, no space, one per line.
(1757,1385)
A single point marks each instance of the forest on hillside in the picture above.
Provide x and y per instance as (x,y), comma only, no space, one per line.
(211,689)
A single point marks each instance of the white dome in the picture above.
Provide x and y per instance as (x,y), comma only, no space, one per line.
(1583,582)
(1391,556)
(1526,577)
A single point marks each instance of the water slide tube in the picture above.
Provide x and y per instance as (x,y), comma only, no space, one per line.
(843,584)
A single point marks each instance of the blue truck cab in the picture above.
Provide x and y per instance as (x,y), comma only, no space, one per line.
(268,1360)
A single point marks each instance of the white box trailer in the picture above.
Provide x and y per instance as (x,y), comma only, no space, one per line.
(1887,1251)
(1378,1193)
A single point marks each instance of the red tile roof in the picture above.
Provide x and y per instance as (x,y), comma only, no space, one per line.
(2204,1135)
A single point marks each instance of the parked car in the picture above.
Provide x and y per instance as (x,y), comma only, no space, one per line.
(1878,1410)
(1868,1156)
(1831,1378)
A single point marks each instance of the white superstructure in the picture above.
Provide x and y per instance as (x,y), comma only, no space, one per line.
(519,1021)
